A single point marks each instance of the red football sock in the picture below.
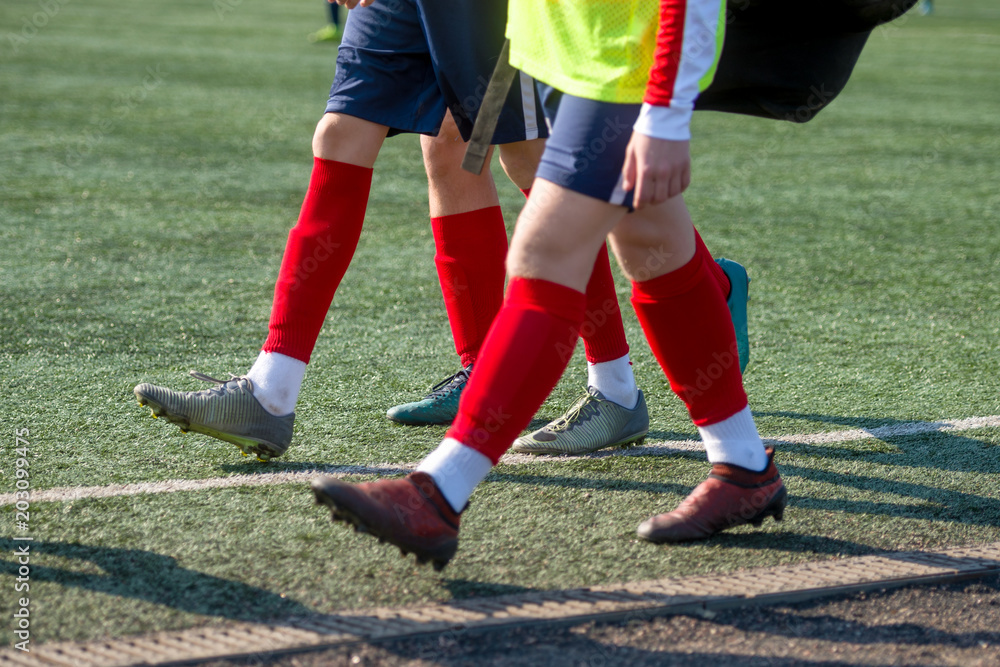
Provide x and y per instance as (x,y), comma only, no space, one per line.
(716,270)
(319,249)
(602,331)
(524,355)
(684,316)
(471,248)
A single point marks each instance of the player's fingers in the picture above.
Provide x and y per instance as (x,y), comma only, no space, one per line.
(628,170)
(637,194)
(679,183)
(663,188)
(645,192)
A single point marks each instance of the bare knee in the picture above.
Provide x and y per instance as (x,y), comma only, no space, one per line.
(348,139)
(443,153)
(520,161)
(649,245)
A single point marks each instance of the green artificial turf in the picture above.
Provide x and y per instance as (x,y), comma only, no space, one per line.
(152,160)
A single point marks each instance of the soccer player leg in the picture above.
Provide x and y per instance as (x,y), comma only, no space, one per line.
(683,312)
(319,249)
(471,244)
(584,154)
(558,236)
(463,40)
(524,354)
(256,412)
(609,370)
(520,162)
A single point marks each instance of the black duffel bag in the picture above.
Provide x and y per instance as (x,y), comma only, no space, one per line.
(788,59)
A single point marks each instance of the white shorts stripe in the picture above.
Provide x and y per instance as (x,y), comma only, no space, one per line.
(529,106)
(618,194)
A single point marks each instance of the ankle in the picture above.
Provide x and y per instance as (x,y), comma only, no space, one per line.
(735,441)
(277,379)
(744,476)
(456,471)
(429,489)
(615,380)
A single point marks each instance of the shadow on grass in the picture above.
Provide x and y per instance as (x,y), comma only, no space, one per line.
(590,483)
(467,588)
(653,435)
(942,499)
(144,575)
(864,423)
(938,504)
(257,468)
(788,542)
(941,450)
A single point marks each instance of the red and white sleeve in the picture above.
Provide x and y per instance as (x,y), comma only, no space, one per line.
(686,51)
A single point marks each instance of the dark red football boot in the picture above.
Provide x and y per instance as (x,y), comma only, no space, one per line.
(731,496)
(409,512)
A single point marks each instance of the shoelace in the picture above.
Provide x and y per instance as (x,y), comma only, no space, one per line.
(208,378)
(449,384)
(584,409)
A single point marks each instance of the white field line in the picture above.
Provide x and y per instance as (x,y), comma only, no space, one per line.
(68,494)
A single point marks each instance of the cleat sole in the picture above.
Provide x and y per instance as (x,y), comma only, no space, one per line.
(264,451)
(440,558)
(634,440)
(633,443)
(776,509)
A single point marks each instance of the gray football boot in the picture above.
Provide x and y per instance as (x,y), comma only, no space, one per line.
(228,412)
(592,423)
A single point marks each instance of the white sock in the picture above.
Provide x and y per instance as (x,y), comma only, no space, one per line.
(735,440)
(277,379)
(457,470)
(615,380)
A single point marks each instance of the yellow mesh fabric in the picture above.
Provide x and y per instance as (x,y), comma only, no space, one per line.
(547,38)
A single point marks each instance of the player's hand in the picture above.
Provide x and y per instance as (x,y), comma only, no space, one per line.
(351,4)
(656,169)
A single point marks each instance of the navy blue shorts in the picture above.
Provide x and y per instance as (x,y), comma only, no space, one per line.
(586,150)
(401,63)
